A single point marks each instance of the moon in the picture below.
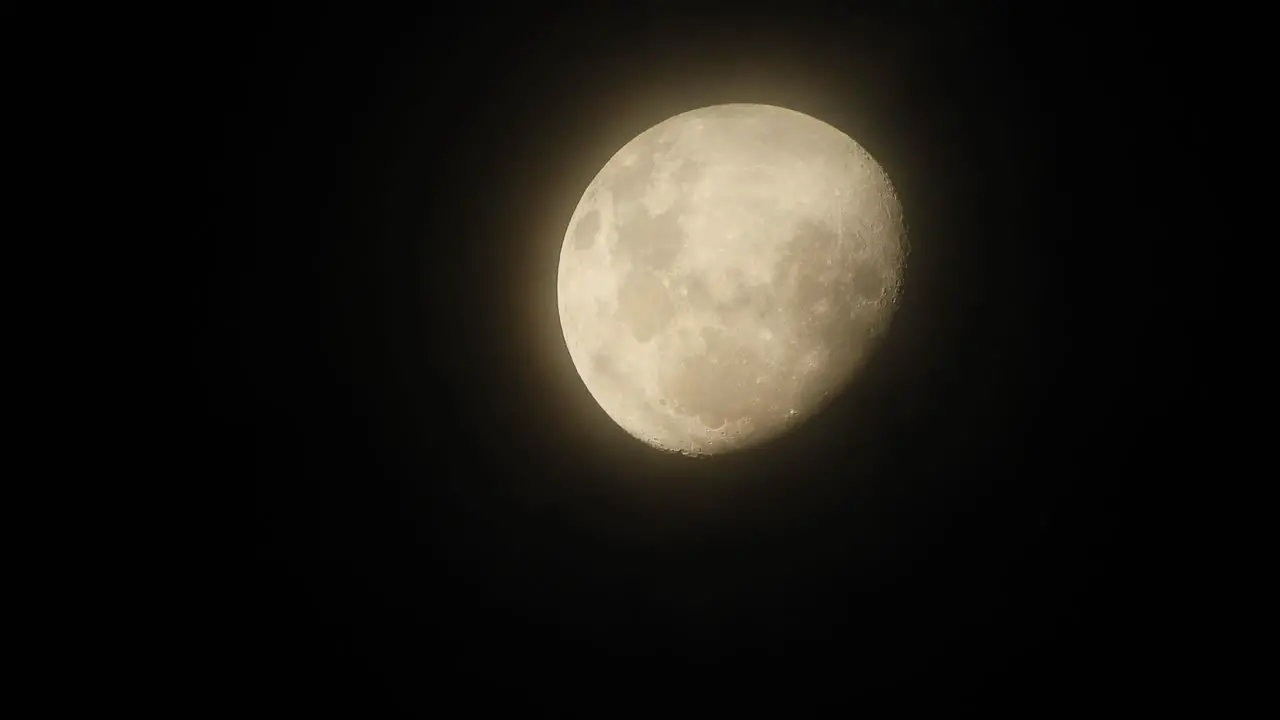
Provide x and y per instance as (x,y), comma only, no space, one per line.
(727,273)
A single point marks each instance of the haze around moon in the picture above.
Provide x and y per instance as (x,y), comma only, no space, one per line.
(726,274)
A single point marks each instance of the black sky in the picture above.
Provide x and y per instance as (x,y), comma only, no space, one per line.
(437,512)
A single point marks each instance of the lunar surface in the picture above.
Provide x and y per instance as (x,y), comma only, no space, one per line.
(727,273)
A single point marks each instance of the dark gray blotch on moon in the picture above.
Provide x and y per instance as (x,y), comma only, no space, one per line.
(584,236)
(687,172)
(651,241)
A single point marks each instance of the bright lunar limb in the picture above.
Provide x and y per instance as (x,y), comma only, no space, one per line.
(726,273)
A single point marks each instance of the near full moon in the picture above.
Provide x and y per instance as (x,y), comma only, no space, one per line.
(727,273)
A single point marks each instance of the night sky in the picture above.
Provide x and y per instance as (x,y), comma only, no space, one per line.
(434,510)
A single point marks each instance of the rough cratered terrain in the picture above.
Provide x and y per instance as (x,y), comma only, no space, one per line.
(726,273)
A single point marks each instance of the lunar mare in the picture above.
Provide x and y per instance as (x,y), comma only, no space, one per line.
(727,273)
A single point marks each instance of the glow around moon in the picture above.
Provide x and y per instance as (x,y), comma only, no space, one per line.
(727,273)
